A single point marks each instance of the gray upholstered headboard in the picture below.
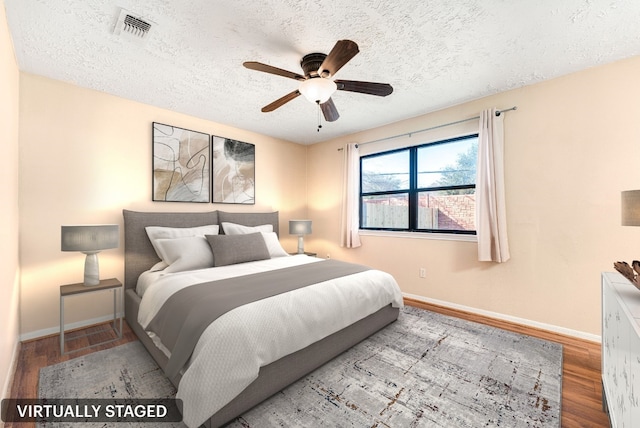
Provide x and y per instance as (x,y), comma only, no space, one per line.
(139,254)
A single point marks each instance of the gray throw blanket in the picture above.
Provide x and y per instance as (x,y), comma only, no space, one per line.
(188,312)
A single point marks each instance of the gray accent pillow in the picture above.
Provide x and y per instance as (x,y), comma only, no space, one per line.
(232,249)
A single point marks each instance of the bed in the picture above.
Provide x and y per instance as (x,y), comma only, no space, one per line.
(290,361)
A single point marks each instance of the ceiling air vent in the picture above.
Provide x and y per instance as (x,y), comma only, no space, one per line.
(134,27)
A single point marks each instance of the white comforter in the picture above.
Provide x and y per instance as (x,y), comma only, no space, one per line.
(232,349)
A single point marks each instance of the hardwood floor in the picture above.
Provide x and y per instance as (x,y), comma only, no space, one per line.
(43,352)
(581,368)
(581,385)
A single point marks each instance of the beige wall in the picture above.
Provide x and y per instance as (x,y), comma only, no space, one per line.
(571,147)
(84,156)
(9,264)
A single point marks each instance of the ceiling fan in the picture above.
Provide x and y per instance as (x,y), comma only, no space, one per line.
(316,84)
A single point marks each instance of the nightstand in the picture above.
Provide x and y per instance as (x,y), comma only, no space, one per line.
(306,253)
(80,288)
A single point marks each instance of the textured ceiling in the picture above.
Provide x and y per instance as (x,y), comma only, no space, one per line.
(434,53)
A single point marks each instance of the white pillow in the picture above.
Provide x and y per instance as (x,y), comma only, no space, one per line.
(273,245)
(238,229)
(158,232)
(184,254)
(159,266)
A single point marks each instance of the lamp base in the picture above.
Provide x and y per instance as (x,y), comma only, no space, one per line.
(91,270)
(300,244)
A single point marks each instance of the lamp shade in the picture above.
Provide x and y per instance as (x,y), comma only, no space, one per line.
(630,208)
(299,227)
(317,89)
(89,238)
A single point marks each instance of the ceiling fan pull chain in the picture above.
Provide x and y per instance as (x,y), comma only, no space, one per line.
(319,118)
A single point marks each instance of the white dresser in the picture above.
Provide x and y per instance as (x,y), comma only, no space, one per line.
(621,350)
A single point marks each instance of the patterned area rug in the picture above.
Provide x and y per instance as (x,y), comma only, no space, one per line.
(126,371)
(425,370)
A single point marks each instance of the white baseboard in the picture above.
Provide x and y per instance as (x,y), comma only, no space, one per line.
(549,327)
(56,330)
(6,389)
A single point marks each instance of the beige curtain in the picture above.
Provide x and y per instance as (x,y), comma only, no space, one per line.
(491,221)
(349,226)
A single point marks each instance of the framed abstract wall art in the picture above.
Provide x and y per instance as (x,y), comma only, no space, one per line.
(181,164)
(234,171)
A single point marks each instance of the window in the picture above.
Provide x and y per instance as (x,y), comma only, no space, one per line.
(426,188)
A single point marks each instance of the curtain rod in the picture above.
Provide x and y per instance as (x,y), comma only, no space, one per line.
(498,113)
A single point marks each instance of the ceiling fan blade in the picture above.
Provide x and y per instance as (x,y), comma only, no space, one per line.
(329,111)
(371,88)
(258,66)
(341,53)
(281,101)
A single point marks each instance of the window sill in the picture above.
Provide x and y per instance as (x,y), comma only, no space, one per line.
(420,235)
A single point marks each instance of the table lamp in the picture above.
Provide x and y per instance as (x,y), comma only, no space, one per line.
(300,228)
(90,240)
(630,208)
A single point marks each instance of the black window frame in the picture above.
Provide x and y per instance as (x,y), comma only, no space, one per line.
(413,191)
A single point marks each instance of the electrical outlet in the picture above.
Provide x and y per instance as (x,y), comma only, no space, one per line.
(423,273)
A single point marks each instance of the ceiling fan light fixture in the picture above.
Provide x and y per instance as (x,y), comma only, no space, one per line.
(317,89)
(316,85)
